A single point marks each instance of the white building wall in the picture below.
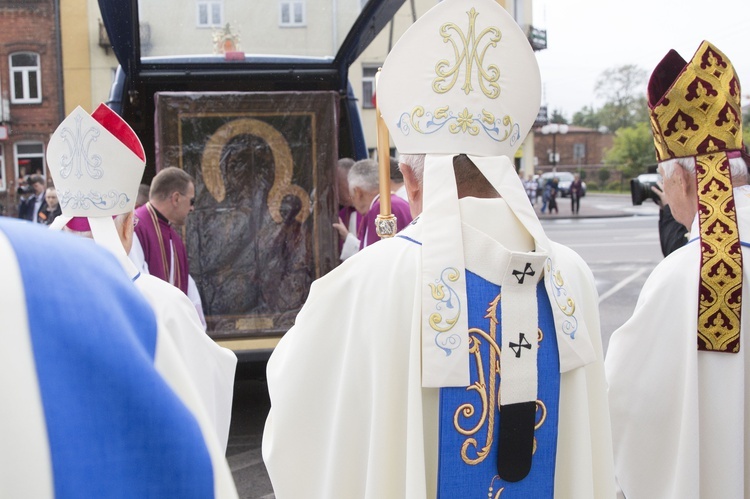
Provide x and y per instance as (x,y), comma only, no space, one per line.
(258,24)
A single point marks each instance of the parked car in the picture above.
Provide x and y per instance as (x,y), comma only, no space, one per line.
(564,179)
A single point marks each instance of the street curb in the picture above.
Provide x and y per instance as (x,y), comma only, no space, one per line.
(578,217)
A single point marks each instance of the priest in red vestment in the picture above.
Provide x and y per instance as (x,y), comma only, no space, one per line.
(159,249)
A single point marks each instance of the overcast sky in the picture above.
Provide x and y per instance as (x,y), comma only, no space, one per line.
(586,37)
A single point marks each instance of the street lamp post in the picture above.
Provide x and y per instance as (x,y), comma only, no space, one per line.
(554,129)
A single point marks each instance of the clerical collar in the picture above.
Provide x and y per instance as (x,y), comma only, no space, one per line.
(158,214)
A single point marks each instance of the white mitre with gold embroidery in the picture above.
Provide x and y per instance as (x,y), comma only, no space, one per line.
(96,162)
(464,80)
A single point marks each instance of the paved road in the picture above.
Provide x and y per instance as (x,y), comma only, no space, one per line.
(249,412)
(595,205)
(618,241)
(621,253)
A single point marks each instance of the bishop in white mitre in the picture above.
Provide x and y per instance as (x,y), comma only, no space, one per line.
(462,357)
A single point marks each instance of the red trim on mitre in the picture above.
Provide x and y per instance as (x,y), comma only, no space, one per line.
(115,125)
(79,224)
(664,76)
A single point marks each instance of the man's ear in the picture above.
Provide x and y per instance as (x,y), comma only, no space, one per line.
(413,189)
(125,231)
(685,179)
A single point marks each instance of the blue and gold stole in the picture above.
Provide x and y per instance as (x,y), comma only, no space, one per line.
(470,417)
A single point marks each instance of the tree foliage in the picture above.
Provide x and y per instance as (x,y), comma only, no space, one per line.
(587,117)
(623,90)
(558,117)
(632,150)
(603,176)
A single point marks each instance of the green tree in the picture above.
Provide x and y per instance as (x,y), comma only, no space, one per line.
(558,117)
(623,91)
(587,117)
(640,110)
(603,174)
(632,150)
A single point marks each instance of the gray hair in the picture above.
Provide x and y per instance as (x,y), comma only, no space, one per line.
(364,174)
(737,167)
(345,163)
(416,162)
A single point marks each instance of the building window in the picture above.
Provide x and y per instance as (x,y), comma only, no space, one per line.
(368,86)
(292,13)
(579,151)
(29,158)
(25,78)
(210,13)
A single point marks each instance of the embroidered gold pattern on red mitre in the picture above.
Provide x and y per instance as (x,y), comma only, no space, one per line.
(699,116)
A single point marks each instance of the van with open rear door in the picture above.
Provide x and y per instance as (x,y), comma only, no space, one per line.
(253,100)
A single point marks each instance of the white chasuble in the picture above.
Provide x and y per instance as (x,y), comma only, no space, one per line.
(679,416)
(349,416)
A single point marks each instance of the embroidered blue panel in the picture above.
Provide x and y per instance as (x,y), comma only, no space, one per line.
(115,428)
(470,417)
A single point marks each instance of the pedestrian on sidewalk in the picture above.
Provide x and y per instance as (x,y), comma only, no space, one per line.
(576,190)
(553,195)
(546,191)
(532,186)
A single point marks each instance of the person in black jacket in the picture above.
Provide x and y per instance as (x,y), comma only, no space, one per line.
(672,234)
(52,209)
(34,203)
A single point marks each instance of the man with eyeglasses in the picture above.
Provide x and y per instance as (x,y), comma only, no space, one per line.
(157,247)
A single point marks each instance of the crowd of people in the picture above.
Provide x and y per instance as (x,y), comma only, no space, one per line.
(460,358)
(549,190)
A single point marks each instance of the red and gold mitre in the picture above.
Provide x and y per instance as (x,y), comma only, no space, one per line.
(695,112)
(695,106)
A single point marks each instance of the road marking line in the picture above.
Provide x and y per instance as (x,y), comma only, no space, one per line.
(617,287)
(618,243)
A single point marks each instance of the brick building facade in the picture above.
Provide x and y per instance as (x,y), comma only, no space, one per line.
(580,149)
(30,91)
